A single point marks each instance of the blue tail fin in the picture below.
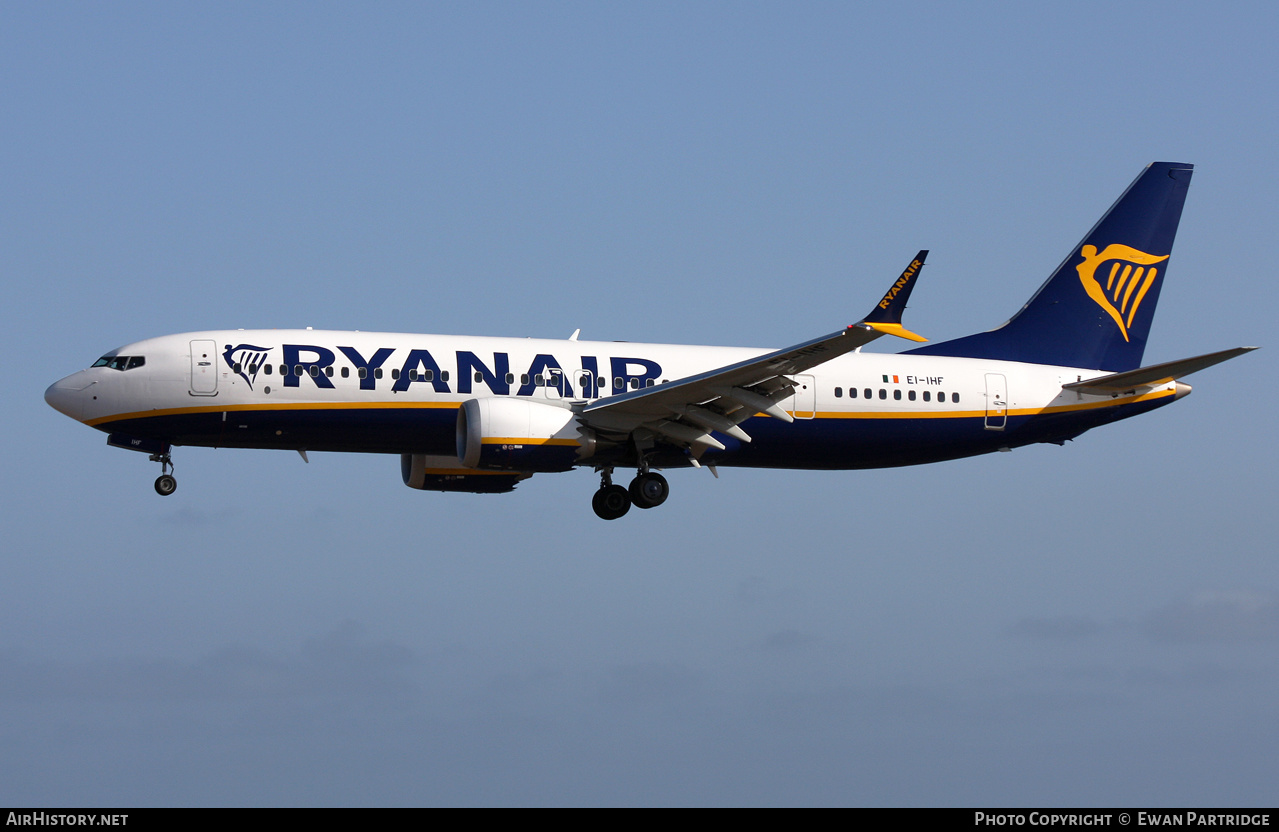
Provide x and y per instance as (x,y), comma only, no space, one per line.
(1095,310)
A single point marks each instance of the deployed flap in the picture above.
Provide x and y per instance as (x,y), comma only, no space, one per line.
(728,396)
(1155,374)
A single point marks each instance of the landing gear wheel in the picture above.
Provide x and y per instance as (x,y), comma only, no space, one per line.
(165,484)
(611,502)
(649,490)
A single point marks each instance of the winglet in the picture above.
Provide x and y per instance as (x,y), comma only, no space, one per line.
(896,329)
(886,317)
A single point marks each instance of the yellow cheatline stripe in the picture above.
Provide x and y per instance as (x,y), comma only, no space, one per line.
(520,440)
(833,414)
(243,408)
(970,414)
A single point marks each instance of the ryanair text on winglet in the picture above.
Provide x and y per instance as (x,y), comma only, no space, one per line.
(901,282)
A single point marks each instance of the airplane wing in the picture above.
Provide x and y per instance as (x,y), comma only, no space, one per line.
(1153,375)
(686,410)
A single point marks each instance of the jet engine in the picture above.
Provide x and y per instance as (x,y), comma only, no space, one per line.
(444,473)
(504,434)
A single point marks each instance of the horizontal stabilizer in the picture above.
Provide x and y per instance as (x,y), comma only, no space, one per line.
(1155,374)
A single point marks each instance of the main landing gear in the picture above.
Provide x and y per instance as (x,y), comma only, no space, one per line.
(165,484)
(648,490)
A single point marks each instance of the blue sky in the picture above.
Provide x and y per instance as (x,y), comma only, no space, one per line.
(1094,624)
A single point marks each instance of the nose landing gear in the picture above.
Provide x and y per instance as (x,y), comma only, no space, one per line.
(165,484)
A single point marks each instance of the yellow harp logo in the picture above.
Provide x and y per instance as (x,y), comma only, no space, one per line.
(1127,280)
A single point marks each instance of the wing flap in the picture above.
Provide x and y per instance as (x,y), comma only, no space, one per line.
(686,410)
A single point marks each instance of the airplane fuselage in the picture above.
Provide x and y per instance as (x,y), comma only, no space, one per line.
(399,393)
(480,414)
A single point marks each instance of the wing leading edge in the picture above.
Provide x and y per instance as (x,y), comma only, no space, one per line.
(686,411)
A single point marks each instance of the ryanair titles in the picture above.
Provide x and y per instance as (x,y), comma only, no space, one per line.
(313,364)
(906,277)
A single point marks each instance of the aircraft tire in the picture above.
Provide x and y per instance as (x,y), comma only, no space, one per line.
(165,485)
(649,490)
(611,502)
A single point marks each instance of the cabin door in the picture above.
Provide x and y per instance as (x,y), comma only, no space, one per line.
(996,401)
(204,368)
(804,403)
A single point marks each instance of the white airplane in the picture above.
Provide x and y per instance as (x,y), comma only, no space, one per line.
(480,414)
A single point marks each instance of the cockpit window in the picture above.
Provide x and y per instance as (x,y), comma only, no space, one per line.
(121,362)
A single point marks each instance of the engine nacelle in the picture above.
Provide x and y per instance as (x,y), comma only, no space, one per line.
(504,434)
(444,473)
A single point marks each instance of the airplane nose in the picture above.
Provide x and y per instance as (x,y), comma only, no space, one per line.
(67,395)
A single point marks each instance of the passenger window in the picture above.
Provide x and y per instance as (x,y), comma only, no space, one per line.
(315,371)
(839,392)
(911,395)
(267,369)
(346,372)
(618,383)
(635,384)
(284,369)
(428,375)
(479,377)
(235,368)
(954,397)
(897,395)
(376,373)
(852,392)
(297,369)
(328,371)
(444,375)
(539,380)
(510,378)
(523,378)
(927,396)
(883,394)
(395,374)
(412,375)
(866,394)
